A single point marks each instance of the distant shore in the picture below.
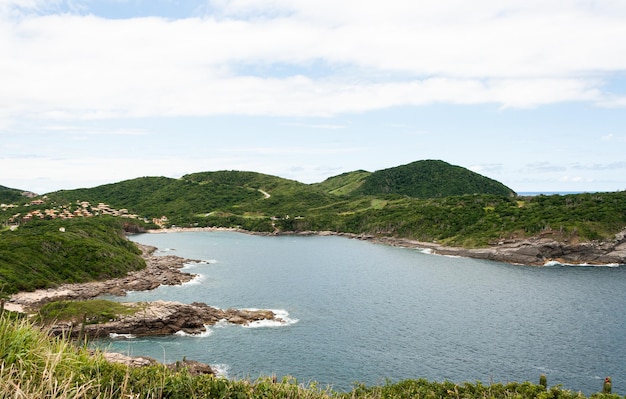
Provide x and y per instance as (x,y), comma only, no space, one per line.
(532,251)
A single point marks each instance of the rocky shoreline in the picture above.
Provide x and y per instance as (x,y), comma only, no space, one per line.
(159,270)
(163,318)
(532,251)
(151,318)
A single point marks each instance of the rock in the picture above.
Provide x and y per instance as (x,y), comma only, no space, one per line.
(134,361)
(164,318)
(193,367)
(535,251)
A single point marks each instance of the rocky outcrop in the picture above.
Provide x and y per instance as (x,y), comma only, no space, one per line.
(535,251)
(538,252)
(193,367)
(164,318)
(160,270)
(133,361)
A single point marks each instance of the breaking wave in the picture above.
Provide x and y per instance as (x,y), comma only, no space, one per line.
(121,336)
(207,332)
(282,319)
(221,370)
(554,263)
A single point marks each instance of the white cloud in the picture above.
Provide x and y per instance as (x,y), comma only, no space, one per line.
(575,179)
(323,126)
(515,54)
(614,138)
(289,150)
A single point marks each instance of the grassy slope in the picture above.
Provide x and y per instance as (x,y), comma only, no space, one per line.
(344,184)
(34,365)
(39,255)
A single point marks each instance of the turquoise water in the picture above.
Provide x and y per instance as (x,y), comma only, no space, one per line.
(362,312)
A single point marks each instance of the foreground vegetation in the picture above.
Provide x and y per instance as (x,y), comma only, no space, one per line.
(35,365)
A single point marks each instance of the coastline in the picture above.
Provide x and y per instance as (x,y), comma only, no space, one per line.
(159,270)
(532,251)
(166,269)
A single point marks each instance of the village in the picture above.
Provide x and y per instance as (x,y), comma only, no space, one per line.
(78,209)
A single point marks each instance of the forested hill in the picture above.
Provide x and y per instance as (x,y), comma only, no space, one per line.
(431,179)
(44,254)
(424,200)
(206,192)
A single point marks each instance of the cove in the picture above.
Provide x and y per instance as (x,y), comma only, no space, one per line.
(364,312)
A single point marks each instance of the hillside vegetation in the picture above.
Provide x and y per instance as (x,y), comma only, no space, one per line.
(43,254)
(431,179)
(425,200)
(10,195)
(270,204)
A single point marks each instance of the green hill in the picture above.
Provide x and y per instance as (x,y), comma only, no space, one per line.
(10,195)
(431,179)
(425,200)
(43,254)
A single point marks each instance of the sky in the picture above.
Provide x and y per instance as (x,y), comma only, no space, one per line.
(531,93)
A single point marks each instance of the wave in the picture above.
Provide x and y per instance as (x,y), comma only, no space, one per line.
(282,319)
(221,370)
(121,336)
(193,265)
(556,263)
(427,251)
(198,279)
(207,332)
(166,250)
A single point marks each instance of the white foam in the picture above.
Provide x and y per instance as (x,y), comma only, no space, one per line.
(198,279)
(557,263)
(221,323)
(121,336)
(207,332)
(282,319)
(221,370)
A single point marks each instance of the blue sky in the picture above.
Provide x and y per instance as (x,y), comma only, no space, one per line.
(98,91)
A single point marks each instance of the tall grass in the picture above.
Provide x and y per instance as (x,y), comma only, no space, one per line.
(35,365)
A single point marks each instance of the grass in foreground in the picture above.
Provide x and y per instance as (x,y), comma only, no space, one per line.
(35,365)
(93,311)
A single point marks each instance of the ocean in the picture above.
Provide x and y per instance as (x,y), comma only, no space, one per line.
(359,312)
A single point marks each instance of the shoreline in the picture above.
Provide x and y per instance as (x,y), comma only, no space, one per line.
(159,270)
(166,269)
(532,251)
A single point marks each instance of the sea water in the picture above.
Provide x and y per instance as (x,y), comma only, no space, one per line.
(369,313)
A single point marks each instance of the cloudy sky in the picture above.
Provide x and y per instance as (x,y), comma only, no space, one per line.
(528,92)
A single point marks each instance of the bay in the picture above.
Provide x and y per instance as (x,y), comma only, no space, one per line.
(368,313)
